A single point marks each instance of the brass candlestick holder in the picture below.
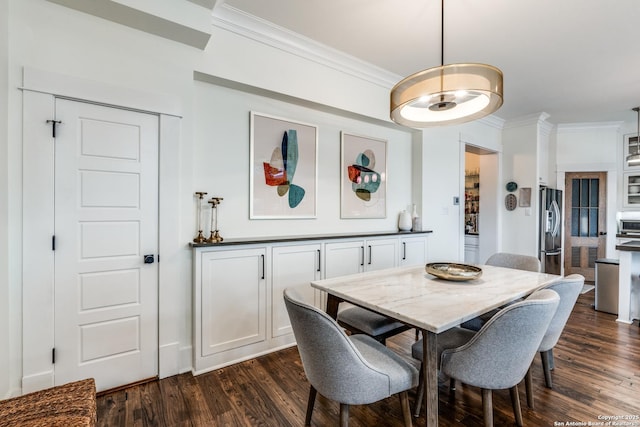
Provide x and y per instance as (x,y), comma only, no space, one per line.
(214,236)
(200,237)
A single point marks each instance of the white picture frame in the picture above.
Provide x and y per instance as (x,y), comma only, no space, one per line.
(363,176)
(283,168)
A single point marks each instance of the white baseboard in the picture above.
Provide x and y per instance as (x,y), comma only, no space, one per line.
(37,382)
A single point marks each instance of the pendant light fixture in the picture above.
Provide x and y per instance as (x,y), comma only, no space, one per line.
(634,159)
(448,94)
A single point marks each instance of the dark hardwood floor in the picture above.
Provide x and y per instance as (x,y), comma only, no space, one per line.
(597,375)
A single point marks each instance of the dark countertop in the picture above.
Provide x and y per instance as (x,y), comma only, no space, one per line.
(628,235)
(258,240)
(630,246)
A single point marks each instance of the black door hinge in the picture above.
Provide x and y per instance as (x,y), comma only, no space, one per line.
(53,355)
(54,123)
(53,242)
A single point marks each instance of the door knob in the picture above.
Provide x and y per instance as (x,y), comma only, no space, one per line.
(149,259)
(603,233)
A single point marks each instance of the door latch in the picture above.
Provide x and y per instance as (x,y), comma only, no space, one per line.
(149,259)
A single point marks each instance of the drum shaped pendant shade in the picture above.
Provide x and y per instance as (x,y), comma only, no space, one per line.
(446,95)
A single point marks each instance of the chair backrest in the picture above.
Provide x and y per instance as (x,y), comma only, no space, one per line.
(568,288)
(332,364)
(517,261)
(499,355)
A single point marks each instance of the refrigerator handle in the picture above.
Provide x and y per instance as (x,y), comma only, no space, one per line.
(556,222)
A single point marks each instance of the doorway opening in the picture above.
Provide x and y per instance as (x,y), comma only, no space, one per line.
(585,222)
(480,216)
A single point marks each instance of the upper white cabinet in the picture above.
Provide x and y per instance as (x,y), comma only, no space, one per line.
(630,146)
(631,190)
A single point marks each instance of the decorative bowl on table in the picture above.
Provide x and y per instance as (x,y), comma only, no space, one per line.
(453,271)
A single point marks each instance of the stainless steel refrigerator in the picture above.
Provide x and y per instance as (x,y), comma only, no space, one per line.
(550,230)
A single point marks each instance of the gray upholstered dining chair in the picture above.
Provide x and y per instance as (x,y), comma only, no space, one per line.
(568,288)
(352,370)
(517,261)
(358,320)
(507,260)
(499,355)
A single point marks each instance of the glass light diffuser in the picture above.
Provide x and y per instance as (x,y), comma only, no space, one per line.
(446,95)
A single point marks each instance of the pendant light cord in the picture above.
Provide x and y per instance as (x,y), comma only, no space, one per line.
(442,33)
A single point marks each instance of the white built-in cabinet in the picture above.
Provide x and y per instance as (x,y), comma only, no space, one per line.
(238,309)
(357,256)
(413,251)
(293,267)
(230,303)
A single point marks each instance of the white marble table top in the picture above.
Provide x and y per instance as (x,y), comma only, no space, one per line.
(419,299)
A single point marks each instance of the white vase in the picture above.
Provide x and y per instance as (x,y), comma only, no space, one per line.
(416,222)
(404,221)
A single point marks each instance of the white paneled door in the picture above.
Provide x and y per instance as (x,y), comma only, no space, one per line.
(106,224)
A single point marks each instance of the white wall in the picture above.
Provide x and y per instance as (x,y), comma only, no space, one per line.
(442,179)
(221,163)
(5,318)
(520,165)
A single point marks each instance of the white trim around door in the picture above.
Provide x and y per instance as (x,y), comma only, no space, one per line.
(40,88)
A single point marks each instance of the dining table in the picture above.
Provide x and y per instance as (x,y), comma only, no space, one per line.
(431,304)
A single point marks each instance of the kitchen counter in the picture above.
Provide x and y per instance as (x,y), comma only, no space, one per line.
(629,281)
(631,246)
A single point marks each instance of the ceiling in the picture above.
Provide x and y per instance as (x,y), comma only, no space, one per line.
(577,60)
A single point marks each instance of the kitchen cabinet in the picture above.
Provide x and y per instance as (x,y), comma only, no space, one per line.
(471,249)
(631,145)
(413,251)
(238,310)
(293,267)
(230,305)
(631,190)
(356,256)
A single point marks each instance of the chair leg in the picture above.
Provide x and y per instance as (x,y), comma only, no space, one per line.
(310,403)
(487,407)
(452,384)
(344,415)
(547,361)
(419,394)
(406,411)
(515,402)
(528,384)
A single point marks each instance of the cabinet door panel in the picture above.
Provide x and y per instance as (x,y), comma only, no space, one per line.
(293,267)
(342,258)
(233,299)
(382,253)
(413,251)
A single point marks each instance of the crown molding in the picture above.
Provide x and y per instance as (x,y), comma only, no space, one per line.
(492,121)
(231,19)
(579,127)
(528,120)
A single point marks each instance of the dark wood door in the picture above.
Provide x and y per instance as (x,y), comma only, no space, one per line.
(585,222)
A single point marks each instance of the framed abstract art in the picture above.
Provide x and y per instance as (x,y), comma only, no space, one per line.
(283,169)
(363,177)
